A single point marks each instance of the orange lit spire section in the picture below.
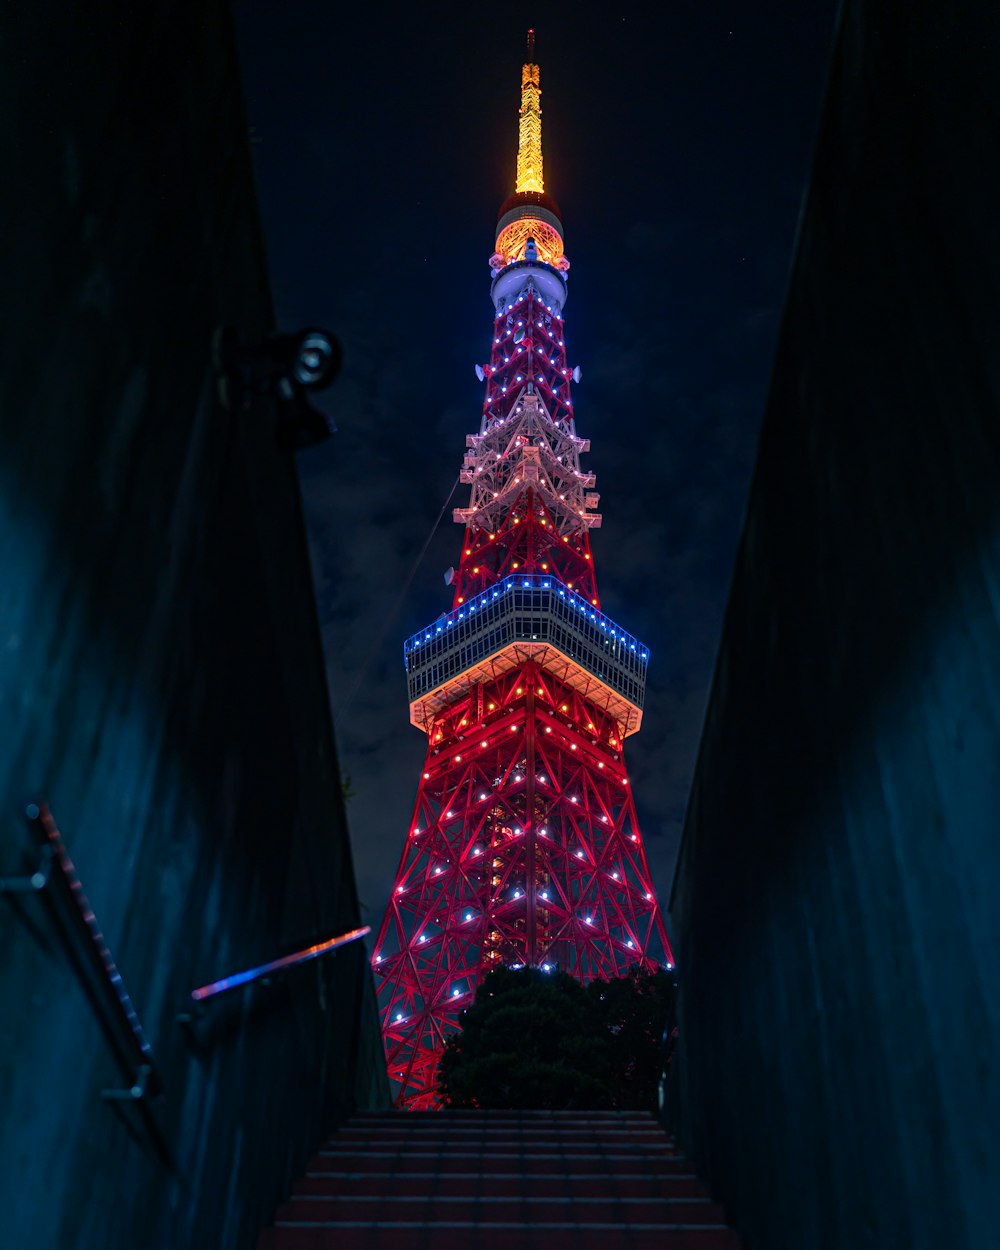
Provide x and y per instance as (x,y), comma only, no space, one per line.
(512,243)
(529,134)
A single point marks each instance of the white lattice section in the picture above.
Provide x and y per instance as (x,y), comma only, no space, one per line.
(528,448)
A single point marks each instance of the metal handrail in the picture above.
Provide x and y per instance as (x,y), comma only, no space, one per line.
(56,882)
(277,965)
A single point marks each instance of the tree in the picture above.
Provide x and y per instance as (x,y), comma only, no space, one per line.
(542,1040)
(636,1011)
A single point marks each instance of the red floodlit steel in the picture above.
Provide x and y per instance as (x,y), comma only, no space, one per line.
(524,848)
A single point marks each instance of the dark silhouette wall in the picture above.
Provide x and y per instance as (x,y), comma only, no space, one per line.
(161,679)
(837,899)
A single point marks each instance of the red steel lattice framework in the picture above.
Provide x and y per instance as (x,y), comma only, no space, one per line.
(524,846)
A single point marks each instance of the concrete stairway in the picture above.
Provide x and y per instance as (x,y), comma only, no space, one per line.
(482,1180)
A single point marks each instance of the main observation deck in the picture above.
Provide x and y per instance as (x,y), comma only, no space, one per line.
(524,616)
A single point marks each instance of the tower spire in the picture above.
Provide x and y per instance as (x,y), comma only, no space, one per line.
(529,131)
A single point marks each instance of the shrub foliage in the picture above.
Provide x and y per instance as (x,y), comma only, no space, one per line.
(542,1040)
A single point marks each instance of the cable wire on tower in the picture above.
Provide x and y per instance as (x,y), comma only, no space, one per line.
(393,613)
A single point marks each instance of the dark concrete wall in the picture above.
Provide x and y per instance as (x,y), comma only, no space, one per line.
(161,679)
(837,898)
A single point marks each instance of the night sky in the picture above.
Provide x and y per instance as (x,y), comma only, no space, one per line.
(677,141)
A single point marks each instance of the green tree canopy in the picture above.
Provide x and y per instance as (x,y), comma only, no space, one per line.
(543,1040)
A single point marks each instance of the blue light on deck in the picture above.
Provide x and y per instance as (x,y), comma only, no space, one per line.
(527,582)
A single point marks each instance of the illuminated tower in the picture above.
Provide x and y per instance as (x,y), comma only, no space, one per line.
(524,846)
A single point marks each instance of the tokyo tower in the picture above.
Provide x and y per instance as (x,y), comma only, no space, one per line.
(523,848)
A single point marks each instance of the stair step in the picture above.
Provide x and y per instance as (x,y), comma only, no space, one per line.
(459,1138)
(516,1184)
(519,1116)
(494,1161)
(462,1235)
(495,1124)
(491,1209)
(506,1145)
(613,1132)
(488,1123)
